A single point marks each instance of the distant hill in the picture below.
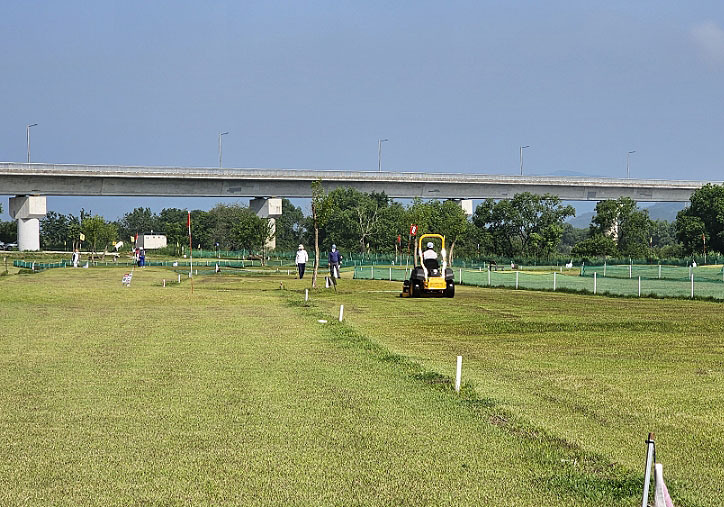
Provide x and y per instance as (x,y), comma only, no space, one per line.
(659,211)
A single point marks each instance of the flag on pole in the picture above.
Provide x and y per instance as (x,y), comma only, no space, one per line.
(661,492)
(82,236)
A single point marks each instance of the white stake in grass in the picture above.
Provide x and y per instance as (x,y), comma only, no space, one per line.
(341,312)
(458,373)
(306,294)
(179,278)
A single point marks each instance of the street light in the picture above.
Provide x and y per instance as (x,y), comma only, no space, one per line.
(27,137)
(220,134)
(521,158)
(628,154)
(379,154)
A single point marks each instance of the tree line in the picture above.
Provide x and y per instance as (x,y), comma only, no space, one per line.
(526,226)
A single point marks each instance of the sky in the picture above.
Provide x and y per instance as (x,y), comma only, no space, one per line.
(455,86)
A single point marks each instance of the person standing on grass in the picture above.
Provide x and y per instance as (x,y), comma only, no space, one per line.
(301,260)
(75,258)
(335,258)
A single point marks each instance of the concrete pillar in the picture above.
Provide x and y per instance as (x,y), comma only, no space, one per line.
(466,205)
(270,208)
(27,210)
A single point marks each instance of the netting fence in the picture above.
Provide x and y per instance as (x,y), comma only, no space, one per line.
(699,286)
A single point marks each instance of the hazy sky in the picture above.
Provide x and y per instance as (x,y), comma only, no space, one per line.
(455,86)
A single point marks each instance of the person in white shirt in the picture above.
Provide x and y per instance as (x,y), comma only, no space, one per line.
(301,260)
(429,253)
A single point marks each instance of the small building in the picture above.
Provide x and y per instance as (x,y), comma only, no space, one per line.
(151,241)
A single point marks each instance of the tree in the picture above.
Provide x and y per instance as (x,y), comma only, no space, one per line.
(138,221)
(251,232)
(528,224)
(54,230)
(8,231)
(290,227)
(172,223)
(220,222)
(321,208)
(705,215)
(98,232)
(571,236)
(597,245)
(622,221)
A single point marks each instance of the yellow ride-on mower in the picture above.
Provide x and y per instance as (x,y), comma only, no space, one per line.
(429,276)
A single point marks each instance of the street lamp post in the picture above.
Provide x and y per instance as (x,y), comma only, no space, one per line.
(379,154)
(220,134)
(628,154)
(521,158)
(27,137)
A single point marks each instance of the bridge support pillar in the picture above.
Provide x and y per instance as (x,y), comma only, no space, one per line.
(466,205)
(27,210)
(270,208)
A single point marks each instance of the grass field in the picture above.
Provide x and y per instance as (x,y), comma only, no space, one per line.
(236,394)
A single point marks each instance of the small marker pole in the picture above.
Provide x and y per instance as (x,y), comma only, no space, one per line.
(647,473)
(179,278)
(306,294)
(692,286)
(461,276)
(164,282)
(594,282)
(604,268)
(341,312)
(639,285)
(488,276)
(458,373)
(659,271)
(554,280)
(390,274)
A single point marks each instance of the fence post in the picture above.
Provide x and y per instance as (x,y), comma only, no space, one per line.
(460,276)
(458,373)
(594,282)
(372,272)
(516,279)
(489,276)
(630,266)
(639,285)
(692,286)
(554,280)
(659,271)
(390,274)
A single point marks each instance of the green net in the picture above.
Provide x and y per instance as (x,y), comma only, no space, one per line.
(548,280)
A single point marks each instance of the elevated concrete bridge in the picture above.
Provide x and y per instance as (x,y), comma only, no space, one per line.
(32,182)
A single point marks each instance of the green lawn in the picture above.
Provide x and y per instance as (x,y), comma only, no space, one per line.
(236,394)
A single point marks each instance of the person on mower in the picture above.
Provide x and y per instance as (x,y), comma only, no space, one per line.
(429,257)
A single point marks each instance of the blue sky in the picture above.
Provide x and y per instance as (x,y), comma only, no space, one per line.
(455,86)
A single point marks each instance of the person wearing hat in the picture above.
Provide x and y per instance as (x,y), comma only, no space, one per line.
(301,260)
(335,258)
(429,257)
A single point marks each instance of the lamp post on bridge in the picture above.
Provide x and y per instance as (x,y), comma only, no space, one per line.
(27,138)
(220,134)
(521,158)
(379,154)
(628,154)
